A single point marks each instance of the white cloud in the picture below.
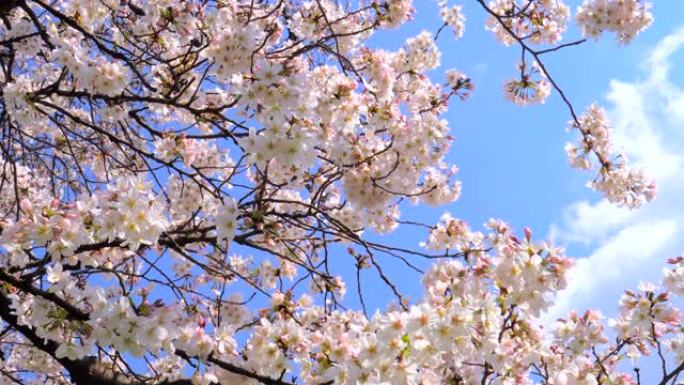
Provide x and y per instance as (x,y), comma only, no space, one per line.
(635,252)
(587,223)
(629,246)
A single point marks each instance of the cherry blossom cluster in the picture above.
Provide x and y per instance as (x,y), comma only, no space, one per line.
(578,334)
(16,99)
(233,43)
(394,13)
(460,84)
(618,183)
(540,21)
(646,319)
(672,278)
(194,153)
(452,233)
(531,87)
(99,74)
(624,17)
(126,212)
(453,17)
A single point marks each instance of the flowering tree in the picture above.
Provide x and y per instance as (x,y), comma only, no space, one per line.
(166,166)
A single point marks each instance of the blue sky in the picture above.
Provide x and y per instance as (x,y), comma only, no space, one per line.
(513,165)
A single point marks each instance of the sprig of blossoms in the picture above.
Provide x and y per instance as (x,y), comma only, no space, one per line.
(618,183)
(627,18)
(17,99)
(127,212)
(452,233)
(673,278)
(420,53)
(233,44)
(97,74)
(453,17)
(532,87)
(393,13)
(579,334)
(646,317)
(539,21)
(460,84)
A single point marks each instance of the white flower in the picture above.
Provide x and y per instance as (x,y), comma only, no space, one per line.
(226,219)
(55,273)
